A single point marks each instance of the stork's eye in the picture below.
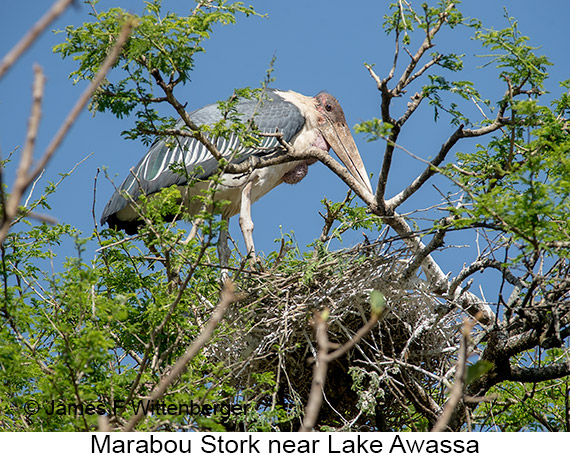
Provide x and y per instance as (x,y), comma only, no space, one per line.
(328,107)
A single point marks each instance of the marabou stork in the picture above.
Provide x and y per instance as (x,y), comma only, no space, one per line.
(304,122)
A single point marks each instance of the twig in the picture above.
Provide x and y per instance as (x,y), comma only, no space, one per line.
(319,375)
(24,176)
(86,96)
(22,179)
(31,193)
(375,77)
(361,333)
(324,357)
(457,389)
(43,218)
(227,297)
(15,53)
(116,243)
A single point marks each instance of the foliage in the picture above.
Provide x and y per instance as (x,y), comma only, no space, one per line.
(519,182)
(517,406)
(167,44)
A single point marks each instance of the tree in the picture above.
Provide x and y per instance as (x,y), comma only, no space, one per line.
(373,337)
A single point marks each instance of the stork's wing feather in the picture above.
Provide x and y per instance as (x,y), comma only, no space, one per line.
(154,173)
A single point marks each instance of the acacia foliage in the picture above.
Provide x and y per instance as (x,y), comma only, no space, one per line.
(105,332)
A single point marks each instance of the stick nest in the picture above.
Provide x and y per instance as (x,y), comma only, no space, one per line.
(272,333)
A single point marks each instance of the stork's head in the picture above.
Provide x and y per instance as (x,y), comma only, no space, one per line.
(335,132)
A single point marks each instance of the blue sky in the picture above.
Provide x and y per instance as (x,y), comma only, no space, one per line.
(319,45)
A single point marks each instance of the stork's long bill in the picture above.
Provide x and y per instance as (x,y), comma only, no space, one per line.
(338,136)
(336,133)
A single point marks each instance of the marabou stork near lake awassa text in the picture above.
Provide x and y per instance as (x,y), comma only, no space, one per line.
(302,122)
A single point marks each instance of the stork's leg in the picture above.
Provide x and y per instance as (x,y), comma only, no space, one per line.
(245,221)
(195,226)
(193,231)
(223,249)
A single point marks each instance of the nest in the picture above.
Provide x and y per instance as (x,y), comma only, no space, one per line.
(415,342)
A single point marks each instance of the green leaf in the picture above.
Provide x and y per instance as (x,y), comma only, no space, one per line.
(478,369)
(377,302)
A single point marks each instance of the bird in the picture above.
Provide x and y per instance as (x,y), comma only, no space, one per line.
(287,117)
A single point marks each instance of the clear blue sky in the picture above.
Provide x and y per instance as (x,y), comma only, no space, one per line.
(320,45)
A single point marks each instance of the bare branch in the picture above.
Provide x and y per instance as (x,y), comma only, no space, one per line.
(539,374)
(324,357)
(426,67)
(386,164)
(435,243)
(28,39)
(319,374)
(387,95)
(25,177)
(375,77)
(227,297)
(412,106)
(22,177)
(432,169)
(457,390)
(429,171)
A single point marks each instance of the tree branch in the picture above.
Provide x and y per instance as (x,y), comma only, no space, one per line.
(435,243)
(439,281)
(227,297)
(22,180)
(388,94)
(386,163)
(324,357)
(429,171)
(196,133)
(539,374)
(433,165)
(477,266)
(457,389)
(28,39)
(25,177)
(427,44)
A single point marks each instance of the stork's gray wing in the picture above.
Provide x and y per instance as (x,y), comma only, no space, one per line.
(154,173)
